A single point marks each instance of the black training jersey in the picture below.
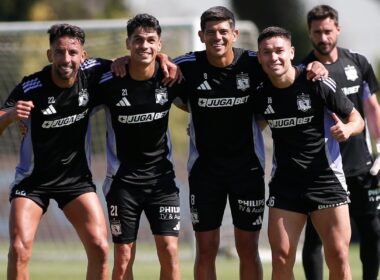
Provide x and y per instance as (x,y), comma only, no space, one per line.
(355,76)
(300,119)
(138,140)
(224,137)
(54,151)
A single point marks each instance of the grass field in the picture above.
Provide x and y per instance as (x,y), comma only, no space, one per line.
(67,262)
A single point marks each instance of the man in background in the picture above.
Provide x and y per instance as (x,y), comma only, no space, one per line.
(355,76)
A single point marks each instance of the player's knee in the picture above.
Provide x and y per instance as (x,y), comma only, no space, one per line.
(20,252)
(100,249)
(248,252)
(171,250)
(337,256)
(281,256)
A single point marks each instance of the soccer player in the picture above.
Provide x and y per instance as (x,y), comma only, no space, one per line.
(226,157)
(307,177)
(140,175)
(355,76)
(226,147)
(55,103)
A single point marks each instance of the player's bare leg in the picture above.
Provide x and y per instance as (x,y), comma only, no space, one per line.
(86,215)
(334,228)
(124,257)
(284,230)
(24,218)
(247,246)
(167,251)
(207,243)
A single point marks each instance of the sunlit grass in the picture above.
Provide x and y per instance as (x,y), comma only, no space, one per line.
(67,261)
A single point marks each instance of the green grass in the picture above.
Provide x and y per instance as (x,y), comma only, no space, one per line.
(56,262)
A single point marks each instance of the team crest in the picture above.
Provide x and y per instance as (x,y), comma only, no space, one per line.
(115,227)
(242,81)
(351,73)
(83,97)
(303,102)
(161,95)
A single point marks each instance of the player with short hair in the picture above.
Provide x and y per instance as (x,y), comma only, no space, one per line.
(355,76)
(226,147)
(140,175)
(307,177)
(55,105)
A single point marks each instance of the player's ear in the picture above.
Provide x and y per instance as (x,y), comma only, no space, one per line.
(84,56)
(235,33)
(200,34)
(159,45)
(292,52)
(49,55)
(338,29)
(127,44)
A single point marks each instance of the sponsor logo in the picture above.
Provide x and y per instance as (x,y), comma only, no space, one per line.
(252,203)
(161,95)
(269,110)
(64,121)
(83,97)
(332,205)
(177,227)
(115,227)
(141,118)
(222,102)
(374,195)
(169,212)
(49,110)
(289,122)
(303,102)
(351,73)
(204,86)
(258,221)
(350,90)
(169,209)
(124,101)
(242,81)
(251,206)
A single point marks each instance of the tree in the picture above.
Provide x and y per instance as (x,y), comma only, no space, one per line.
(15,10)
(24,10)
(288,14)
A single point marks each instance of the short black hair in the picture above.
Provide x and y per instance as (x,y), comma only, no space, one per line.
(144,21)
(57,31)
(217,13)
(274,31)
(322,12)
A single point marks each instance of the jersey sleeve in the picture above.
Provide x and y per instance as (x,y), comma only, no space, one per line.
(368,74)
(95,70)
(187,64)
(95,67)
(180,93)
(16,95)
(334,98)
